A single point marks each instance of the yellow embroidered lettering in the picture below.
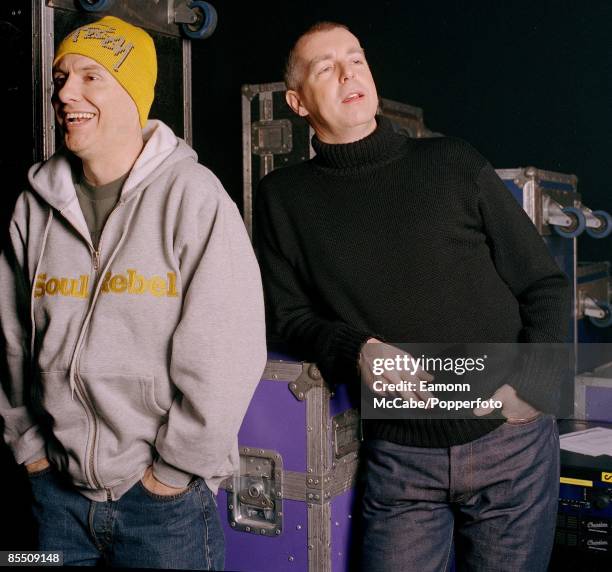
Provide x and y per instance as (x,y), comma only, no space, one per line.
(157,286)
(136,283)
(52,286)
(84,292)
(106,280)
(64,287)
(39,288)
(74,288)
(172,284)
(118,283)
(131,282)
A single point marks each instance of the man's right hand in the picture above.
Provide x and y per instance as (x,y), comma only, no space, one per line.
(37,466)
(156,487)
(385,351)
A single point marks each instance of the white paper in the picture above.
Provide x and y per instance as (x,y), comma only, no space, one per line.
(593,442)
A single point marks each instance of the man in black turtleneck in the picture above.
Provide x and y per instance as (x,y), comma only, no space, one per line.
(382,237)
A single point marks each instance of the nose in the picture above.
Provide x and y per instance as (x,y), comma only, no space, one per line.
(346,73)
(69,90)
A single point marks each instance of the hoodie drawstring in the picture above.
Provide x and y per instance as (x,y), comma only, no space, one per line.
(33,289)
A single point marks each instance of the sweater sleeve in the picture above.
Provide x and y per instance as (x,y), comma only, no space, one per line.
(540,287)
(218,349)
(21,432)
(293,309)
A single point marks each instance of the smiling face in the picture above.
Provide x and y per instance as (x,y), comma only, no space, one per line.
(336,92)
(97,116)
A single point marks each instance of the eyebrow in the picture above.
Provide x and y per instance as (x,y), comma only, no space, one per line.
(317,59)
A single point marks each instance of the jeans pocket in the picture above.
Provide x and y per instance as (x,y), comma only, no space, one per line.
(168,498)
(208,492)
(40,473)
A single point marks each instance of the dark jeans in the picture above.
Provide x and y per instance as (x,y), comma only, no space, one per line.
(495,498)
(141,529)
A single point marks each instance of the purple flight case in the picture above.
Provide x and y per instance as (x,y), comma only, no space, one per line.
(291,506)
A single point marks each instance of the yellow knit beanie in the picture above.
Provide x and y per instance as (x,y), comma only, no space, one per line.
(126,51)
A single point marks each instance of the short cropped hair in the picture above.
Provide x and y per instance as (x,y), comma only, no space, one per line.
(292,76)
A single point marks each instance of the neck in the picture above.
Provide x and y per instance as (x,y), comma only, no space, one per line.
(104,168)
(379,145)
(346,136)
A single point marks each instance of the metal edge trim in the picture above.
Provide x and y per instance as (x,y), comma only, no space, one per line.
(42,83)
(579,399)
(247,166)
(279,370)
(319,538)
(187,94)
(535,173)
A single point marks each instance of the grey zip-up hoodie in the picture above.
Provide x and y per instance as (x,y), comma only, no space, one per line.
(147,350)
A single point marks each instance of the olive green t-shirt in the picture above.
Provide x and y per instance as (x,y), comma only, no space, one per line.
(97,203)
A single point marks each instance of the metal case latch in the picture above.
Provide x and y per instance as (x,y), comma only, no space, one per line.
(346,435)
(254,500)
(272,137)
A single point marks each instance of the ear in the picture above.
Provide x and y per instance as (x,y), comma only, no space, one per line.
(294,101)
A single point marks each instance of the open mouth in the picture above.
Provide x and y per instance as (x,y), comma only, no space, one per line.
(353,96)
(78,118)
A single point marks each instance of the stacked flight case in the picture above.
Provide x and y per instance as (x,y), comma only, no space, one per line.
(552,202)
(594,292)
(556,209)
(291,507)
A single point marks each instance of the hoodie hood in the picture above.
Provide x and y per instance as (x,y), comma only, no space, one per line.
(52,180)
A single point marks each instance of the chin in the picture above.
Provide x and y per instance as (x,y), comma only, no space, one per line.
(362,122)
(74,144)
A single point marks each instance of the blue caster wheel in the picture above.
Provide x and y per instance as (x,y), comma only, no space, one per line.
(95,5)
(206,23)
(606,321)
(605,229)
(576,227)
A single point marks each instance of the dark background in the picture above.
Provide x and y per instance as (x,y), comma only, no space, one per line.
(527,83)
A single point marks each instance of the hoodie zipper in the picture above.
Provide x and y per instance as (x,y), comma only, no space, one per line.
(96,253)
(96,260)
(96,257)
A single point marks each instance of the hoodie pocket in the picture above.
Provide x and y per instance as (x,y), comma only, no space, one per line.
(127,421)
(68,422)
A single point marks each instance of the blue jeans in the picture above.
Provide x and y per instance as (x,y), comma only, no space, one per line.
(494,498)
(141,529)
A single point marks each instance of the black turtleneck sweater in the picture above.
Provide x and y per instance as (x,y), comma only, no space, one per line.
(407,240)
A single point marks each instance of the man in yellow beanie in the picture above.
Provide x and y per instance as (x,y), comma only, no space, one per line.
(131,315)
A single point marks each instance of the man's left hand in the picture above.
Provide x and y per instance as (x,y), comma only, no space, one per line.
(158,488)
(513,409)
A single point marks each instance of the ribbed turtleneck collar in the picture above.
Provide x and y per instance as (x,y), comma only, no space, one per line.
(380,145)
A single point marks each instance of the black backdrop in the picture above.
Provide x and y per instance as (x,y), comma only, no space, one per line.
(527,83)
